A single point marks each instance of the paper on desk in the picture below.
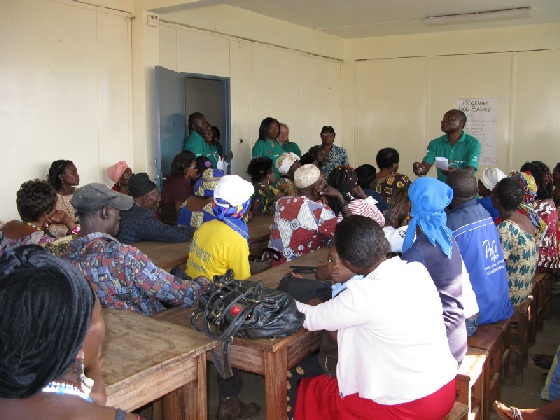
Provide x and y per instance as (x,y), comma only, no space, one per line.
(442,163)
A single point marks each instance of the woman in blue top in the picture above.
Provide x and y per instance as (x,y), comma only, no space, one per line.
(268,145)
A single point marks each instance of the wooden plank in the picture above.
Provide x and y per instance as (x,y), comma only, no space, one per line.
(165,255)
(146,359)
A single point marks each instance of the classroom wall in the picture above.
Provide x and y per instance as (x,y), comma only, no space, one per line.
(270,73)
(65,84)
(77,83)
(403,85)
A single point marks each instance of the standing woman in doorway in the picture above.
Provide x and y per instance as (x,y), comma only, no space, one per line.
(337,155)
(268,145)
(63,176)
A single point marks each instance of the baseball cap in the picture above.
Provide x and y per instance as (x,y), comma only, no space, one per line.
(95,196)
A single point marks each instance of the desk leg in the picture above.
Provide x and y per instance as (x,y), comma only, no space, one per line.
(196,398)
(275,378)
(188,402)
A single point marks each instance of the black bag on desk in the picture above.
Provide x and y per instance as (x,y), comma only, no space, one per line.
(243,309)
(303,289)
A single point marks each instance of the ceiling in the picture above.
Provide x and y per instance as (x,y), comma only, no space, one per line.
(369,18)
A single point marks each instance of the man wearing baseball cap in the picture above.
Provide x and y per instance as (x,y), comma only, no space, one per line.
(121,275)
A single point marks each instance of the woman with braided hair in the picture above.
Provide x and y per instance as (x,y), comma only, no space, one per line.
(345,180)
(51,332)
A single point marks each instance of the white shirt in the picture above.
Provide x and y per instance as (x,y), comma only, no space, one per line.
(392,344)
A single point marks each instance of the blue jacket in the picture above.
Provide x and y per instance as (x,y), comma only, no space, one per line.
(479,242)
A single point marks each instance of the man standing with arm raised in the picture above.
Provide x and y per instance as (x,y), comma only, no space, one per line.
(461,150)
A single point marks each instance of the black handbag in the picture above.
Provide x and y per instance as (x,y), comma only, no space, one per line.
(303,289)
(243,309)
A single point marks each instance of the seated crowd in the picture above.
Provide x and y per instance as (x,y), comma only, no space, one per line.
(415,267)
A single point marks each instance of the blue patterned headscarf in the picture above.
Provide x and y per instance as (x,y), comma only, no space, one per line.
(429,198)
(232,215)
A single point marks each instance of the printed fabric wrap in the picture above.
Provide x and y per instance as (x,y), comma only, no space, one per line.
(232,215)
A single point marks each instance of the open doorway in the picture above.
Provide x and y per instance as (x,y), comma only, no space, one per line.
(177,96)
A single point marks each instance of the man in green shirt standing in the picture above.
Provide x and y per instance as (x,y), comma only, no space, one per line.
(461,150)
(196,143)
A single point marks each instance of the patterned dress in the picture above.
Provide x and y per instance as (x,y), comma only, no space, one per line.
(521,256)
(63,202)
(301,226)
(35,238)
(548,248)
(337,157)
(262,201)
(389,185)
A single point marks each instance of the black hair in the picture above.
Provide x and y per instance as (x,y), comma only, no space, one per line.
(182,161)
(35,198)
(57,168)
(265,125)
(510,193)
(366,173)
(463,183)
(387,157)
(543,178)
(307,158)
(202,164)
(461,114)
(344,179)
(360,241)
(194,116)
(328,129)
(259,168)
(46,312)
(216,135)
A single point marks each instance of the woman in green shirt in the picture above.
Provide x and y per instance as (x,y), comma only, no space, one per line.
(268,145)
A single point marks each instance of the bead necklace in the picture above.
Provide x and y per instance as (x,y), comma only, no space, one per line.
(34,225)
(65,388)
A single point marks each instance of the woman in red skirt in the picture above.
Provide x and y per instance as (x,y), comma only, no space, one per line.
(394,361)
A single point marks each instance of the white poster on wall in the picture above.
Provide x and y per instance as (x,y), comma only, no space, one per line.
(482,123)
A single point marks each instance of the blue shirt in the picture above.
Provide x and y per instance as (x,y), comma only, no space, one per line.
(141,224)
(479,242)
(486,202)
(460,155)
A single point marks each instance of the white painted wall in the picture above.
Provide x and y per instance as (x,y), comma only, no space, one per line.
(403,86)
(76,82)
(65,89)
(300,89)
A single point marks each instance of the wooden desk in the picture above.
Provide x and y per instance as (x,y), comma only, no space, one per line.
(259,232)
(270,358)
(146,360)
(165,255)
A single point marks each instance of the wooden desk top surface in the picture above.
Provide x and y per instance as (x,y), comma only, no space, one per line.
(167,255)
(139,350)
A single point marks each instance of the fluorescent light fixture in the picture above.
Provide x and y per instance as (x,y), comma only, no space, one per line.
(475,17)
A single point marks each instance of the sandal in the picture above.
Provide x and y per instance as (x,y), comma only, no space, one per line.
(507,413)
(544,361)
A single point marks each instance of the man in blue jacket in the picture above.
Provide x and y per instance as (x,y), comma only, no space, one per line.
(479,242)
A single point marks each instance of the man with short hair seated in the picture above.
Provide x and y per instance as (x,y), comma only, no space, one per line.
(121,275)
(479,243)
(140,223)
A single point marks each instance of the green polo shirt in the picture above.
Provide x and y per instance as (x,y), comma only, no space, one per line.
(270,149)
(464,153)
(196,144)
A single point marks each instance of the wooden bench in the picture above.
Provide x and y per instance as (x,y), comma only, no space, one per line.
(489,339)
(458,412)
(520,326)
(470,381)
